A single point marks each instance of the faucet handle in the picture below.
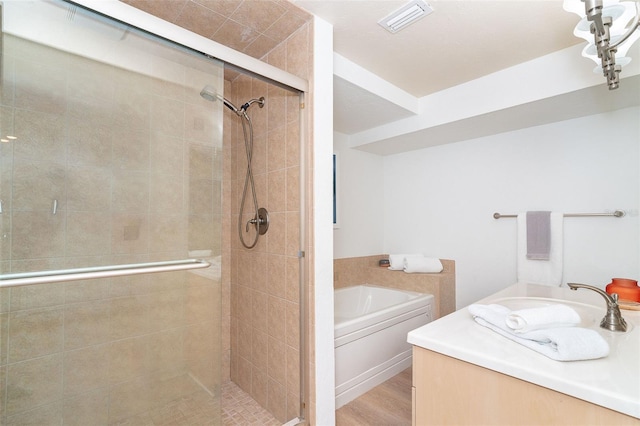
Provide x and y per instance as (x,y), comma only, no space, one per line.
(615,297)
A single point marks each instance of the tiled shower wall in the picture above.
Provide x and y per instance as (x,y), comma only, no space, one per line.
(265,297)
(96,352)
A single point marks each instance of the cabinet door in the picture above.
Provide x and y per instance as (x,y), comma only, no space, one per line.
(453,392)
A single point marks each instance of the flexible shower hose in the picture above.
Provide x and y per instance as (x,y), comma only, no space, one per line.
(248,181)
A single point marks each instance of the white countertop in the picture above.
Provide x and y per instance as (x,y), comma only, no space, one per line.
(612,382)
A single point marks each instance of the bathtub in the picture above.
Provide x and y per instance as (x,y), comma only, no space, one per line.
(371,326)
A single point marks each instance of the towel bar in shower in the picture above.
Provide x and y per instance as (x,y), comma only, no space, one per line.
(41,277)
(617,213)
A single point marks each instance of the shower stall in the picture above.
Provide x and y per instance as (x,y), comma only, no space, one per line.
(125,298)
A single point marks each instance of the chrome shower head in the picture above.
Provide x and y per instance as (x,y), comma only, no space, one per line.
(209,93)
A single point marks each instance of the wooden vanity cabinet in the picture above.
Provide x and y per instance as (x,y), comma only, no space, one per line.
(447,391)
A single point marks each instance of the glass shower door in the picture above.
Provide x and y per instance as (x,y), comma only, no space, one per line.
(110,164)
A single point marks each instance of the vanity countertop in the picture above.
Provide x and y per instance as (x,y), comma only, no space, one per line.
(612,382)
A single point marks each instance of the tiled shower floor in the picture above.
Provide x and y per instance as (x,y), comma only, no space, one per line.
(237,409)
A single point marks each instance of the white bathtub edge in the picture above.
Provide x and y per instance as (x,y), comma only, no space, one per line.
(344,336)
(345,327)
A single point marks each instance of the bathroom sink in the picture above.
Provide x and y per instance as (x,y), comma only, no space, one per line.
(590,315)
(610,382)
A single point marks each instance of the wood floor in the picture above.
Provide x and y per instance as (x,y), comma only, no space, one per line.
(388,404)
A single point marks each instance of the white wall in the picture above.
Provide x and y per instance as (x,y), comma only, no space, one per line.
(440,200)
(360,201)
(322,239)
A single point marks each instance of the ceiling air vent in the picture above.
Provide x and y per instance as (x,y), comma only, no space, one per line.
(406,15)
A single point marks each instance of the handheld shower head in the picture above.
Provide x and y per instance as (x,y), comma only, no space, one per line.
(209,93)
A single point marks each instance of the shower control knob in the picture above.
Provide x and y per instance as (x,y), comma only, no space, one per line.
(261,221)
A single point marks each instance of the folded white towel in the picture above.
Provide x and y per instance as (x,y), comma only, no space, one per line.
(552,316)
(422,264)
(560,344)
(396,261)
(545,272)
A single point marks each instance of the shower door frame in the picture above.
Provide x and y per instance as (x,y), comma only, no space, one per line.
(244,63)
(255,68)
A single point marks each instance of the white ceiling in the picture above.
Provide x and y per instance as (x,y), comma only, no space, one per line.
(462,40)
(458,42)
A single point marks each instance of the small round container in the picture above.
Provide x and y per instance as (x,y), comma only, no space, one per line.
(627,289)
(383,263)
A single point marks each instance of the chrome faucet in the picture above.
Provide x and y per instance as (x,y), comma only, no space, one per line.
(613,320)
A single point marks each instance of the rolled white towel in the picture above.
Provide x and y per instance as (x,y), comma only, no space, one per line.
(552,316)
(428,265)
(396,261)
(560,344)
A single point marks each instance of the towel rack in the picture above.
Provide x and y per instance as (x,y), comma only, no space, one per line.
(41,277)
(617,213)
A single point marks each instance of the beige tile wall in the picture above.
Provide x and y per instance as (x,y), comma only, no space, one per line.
(265,299)
(248,26)
(134,182)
